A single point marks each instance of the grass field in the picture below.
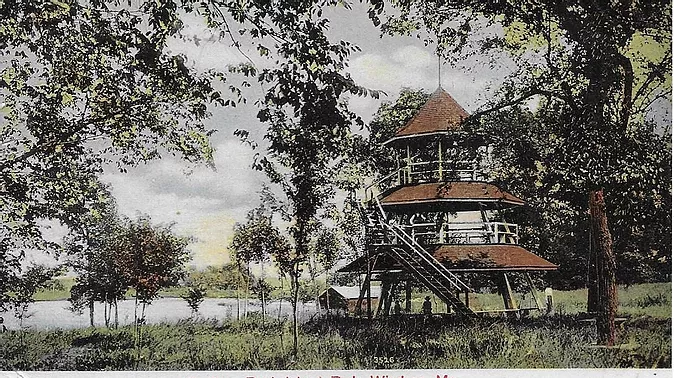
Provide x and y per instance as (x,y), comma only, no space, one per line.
(650,299)
(557,341)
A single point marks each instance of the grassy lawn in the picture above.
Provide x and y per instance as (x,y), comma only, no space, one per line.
(651,299)
(556,341)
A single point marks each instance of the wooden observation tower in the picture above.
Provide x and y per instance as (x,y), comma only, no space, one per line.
(435,221)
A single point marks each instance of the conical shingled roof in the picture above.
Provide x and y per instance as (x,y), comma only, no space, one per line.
(440,113)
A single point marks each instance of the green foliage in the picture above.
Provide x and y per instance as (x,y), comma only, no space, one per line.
(86,84)
(529,159)
(194,296)
(263,289)
(226,277)
(34,278)
(92,247)
(327,247)
(309,124)
(258,239)
(389,118)
(152,257)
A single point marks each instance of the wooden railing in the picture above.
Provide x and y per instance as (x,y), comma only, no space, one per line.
(464,233)
(426,171)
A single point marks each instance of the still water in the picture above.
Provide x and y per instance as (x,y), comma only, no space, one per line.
(55,314)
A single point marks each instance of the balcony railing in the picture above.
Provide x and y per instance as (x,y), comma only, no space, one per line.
(426,171)
(462,233)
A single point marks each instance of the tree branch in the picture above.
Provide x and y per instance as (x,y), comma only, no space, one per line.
(628,83)
(519,100)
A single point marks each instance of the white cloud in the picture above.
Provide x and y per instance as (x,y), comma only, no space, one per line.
(414,57)
(381,72)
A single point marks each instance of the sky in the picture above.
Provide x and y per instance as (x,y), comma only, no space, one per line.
(205,203)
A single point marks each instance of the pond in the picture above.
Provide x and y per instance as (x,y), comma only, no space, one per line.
(45,315)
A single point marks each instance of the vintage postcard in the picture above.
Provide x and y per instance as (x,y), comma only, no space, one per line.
(335,188)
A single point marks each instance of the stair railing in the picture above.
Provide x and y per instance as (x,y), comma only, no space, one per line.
(420,251)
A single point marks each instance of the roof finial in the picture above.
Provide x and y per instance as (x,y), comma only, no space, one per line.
(439,72)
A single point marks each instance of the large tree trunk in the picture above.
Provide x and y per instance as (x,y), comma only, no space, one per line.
(606,268)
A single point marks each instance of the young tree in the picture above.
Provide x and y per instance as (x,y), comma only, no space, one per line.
(257,240)
(33,279)
(91,246)
(152,258)
(194,297)
(308,121)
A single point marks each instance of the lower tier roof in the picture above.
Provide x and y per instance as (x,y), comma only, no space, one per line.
(465,258)
(450,194)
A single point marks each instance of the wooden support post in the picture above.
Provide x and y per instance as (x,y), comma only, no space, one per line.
(408,295)
(383,296)
(365,289)
(400,180)
(369,291)
(389,298)
(507,294)
(409,166)
(485,221)
(534,292)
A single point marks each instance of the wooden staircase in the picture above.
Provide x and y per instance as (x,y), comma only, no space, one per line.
(416,259)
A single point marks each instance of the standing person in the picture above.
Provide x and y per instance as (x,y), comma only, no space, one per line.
(549,301)
(396,308)
(427,306)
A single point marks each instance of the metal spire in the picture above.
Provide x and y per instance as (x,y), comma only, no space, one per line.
(439,72)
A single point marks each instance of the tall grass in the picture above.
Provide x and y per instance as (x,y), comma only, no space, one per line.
(557,341)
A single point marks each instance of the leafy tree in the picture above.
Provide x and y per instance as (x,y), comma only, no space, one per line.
(152,258)
(257,240)
(85,84)
(194,297)
(91,246)
(555,225)
(33,279)
(263,289)
(306,113)
(391,116)
(599,65)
